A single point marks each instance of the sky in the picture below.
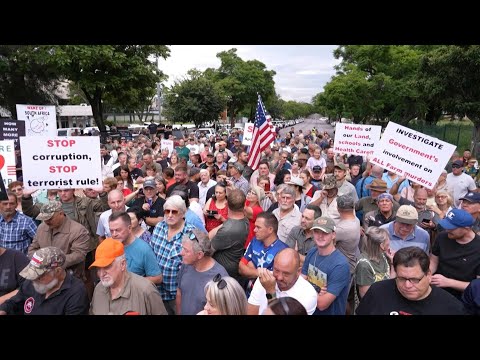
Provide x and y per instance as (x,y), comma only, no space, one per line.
(302,70)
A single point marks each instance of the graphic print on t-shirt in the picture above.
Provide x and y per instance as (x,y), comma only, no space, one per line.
(316,276)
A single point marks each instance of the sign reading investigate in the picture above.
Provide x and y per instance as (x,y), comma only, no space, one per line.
(356,139)
(61,163)
(409,153)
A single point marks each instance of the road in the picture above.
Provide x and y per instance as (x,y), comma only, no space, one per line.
(307,125)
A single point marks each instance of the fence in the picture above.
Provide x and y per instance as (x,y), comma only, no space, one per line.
(460,135)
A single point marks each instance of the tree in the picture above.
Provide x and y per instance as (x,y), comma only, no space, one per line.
(451,75)
(122,75)
(241,81)
(194,99)
(25,79)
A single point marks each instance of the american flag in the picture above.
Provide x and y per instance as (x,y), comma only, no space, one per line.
(263,135)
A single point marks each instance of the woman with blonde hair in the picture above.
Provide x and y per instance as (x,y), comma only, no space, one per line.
(375,263)
(225,296)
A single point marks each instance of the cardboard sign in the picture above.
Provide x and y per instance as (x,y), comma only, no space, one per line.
(167,144)
(61,163)
(419,157)
(12,130)
(7,161)
(356,139)
(39,120)
(248,134)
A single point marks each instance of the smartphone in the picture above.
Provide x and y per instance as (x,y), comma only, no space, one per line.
(266,187)
(426,221)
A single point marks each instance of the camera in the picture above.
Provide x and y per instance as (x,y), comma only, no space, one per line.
(211,213)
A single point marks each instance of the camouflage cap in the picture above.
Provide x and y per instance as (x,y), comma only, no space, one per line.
(43,260)
(325,224)
(48,210)
(329,182)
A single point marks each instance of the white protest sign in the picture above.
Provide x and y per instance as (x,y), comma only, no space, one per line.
(61,163)
(356,139)
(39,120)
(7,161)
(167,144)
(248,134)
(409,153)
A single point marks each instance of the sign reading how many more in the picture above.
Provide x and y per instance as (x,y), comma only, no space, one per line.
(356,139)
(61,163)
(12,130)
(39,120)
(409,153)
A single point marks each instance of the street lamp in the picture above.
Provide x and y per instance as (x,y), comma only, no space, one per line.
(159,102)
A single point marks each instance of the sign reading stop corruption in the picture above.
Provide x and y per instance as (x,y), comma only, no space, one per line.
(61,163)
(412,154)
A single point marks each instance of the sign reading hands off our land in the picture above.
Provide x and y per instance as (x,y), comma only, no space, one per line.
(409,153)
(61,163)
(40,120)
(356,139)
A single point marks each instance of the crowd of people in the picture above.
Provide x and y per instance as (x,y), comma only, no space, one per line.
(197,231)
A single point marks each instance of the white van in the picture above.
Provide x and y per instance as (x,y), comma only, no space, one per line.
(76,131)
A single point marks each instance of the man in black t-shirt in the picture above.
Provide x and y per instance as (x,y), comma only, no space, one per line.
(152,129)
(411,292)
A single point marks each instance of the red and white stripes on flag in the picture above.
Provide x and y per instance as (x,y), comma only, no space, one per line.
(263,135)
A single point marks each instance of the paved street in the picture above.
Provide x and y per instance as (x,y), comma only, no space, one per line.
(307,125)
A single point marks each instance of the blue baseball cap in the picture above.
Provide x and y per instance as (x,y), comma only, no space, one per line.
(472,197)
(456,218)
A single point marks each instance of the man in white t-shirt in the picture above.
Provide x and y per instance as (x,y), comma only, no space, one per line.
(459,183)
(285,280)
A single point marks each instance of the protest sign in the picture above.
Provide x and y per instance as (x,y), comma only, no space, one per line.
(39,120)
(409,153)
(7,161)
(248,134)
(356,139)
(12,130)
(61,163)
(167,144)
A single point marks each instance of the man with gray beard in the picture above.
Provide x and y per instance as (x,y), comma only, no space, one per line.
(119,291)
(48,289)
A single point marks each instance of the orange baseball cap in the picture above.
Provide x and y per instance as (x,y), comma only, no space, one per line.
(106,252)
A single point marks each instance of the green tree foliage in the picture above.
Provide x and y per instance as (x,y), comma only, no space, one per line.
(124,76)
(241,81)
(450,75)
(374,83)
(195,99)
(25,78)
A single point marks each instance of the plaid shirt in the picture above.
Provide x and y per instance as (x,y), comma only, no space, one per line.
(18,233)
(168,257)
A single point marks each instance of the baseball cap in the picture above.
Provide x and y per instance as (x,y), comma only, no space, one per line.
(407,214)
(456,218)
(473,197)
(325,224)
(106,252)
(345,202)
(295,181)
(237,166)
(149,183)
(317,168)
(48,210)
(341,166)
(43,260)
(458,163)
(329,182)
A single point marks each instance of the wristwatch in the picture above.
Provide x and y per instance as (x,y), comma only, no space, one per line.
(271,296)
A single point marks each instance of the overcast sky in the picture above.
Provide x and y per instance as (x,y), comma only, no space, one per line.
(302,70)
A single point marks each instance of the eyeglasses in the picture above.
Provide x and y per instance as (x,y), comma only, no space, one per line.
(284,306)
(194,238)
(221,283)
(412,280)
(168,211)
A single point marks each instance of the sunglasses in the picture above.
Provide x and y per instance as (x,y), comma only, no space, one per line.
(194,238)
(456,166)
(168,211)
(221,283)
